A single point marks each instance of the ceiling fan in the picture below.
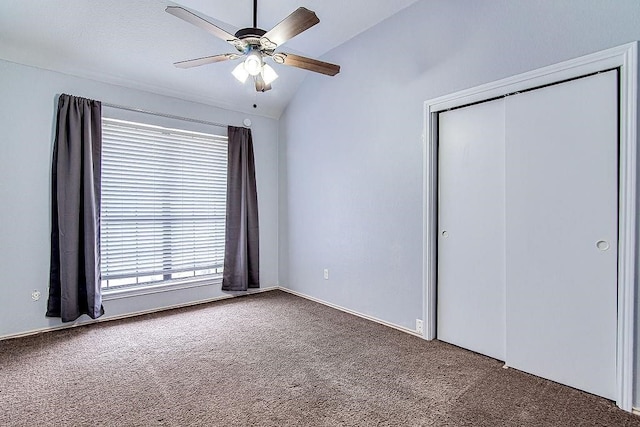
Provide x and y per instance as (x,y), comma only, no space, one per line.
(255,44)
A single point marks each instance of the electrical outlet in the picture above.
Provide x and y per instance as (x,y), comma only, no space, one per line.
(419,328)
(35,295)
(326,274)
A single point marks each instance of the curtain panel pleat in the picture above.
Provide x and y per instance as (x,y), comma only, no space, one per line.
(74,281)
(242,257)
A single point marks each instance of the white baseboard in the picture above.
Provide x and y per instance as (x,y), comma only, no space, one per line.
(635,411)
(355,313)
(136,313)
(206,301)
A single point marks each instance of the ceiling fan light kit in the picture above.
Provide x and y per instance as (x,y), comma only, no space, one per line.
(255,44)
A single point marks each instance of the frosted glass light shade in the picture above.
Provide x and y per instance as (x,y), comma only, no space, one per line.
(268,74)
(240,73)
(253,63)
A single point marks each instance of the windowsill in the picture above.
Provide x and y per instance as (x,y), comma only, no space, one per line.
(173,285)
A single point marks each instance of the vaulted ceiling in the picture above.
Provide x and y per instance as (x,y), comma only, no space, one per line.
(135,43)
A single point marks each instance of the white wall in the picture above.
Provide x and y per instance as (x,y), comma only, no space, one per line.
(27,119)
(351,150)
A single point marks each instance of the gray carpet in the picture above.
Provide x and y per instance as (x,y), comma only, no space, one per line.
(272,359)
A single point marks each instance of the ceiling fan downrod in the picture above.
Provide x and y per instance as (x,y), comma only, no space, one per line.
(255,13)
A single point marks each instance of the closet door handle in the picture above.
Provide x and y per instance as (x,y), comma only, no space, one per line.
(603,245)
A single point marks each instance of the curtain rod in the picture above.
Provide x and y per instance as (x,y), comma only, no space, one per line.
(169,116)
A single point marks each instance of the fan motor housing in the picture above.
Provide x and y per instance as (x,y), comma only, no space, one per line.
(253,38)
(250,33)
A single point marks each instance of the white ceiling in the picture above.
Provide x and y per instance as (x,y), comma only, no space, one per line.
(135,43)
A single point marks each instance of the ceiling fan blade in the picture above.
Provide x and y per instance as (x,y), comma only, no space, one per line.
(194,19)
(306,63)
(261,86)
(206,60)
(300,20)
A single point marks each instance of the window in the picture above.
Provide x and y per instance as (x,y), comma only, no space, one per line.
(163,204)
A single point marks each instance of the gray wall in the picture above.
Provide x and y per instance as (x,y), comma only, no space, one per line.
(351,151)
(27,120)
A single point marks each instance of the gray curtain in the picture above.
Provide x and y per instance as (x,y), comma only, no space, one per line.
(74,280)
(241,255)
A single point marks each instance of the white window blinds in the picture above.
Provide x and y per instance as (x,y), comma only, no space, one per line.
(163,203)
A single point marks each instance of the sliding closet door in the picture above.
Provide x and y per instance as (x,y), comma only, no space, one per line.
(561,232)
(471,311)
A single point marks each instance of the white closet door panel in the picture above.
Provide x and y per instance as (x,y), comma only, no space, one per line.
(471,294)
(561,200)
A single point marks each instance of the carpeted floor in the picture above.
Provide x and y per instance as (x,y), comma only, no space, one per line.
(272,359)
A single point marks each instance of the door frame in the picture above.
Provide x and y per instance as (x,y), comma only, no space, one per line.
(625,59)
